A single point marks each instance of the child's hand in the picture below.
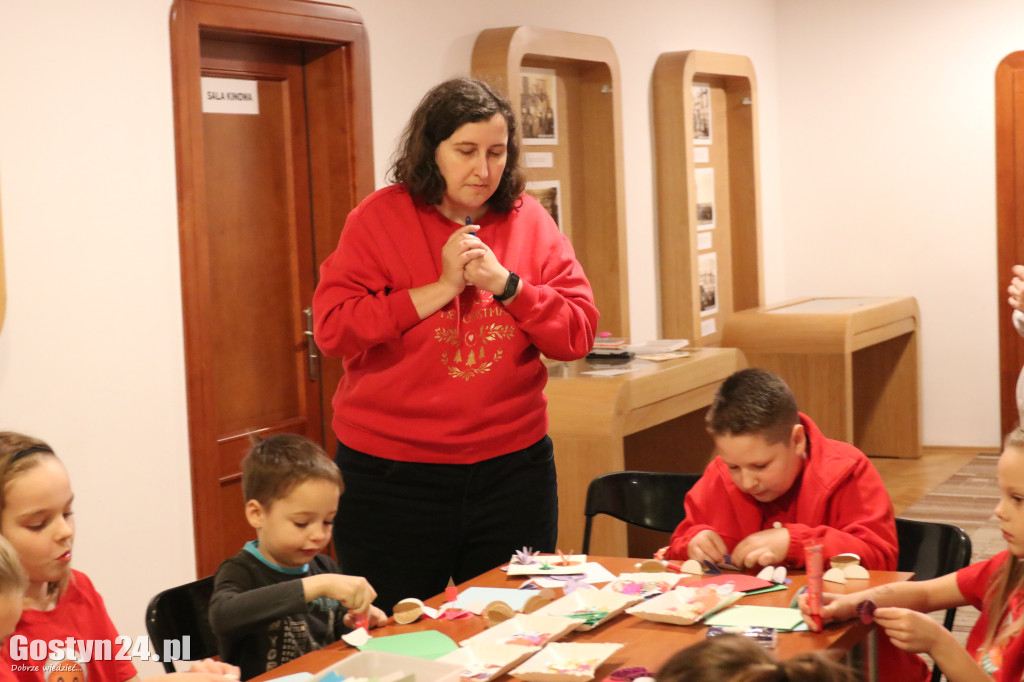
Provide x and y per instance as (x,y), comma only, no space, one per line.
(352,591)
(763,548)
(910,630)
(709,545)
(834,607)
(375,618)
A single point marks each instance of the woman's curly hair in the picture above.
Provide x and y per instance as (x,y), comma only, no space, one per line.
(442,111)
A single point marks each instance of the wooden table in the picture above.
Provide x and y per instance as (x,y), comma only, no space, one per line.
(645,642)
(851,362)
(651,419)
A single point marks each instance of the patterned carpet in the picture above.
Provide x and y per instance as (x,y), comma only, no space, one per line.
(966,499)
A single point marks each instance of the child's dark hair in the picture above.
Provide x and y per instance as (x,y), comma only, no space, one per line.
(442,111)
(734,658)
(275,465)
(754,401)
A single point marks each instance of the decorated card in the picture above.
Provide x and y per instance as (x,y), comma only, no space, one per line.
(483,661)
(526,630)
(590,608)
(565,662)
(546,564)
(685,605)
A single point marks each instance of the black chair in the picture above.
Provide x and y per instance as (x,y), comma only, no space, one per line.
(178,612)
(649,499)
(932,549)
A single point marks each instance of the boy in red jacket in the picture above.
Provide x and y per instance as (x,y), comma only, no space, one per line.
(776,485)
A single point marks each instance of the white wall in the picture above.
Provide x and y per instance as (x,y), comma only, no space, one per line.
(91,355)
(887,155)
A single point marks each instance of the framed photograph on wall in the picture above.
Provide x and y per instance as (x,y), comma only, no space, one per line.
(701,113)
(538,108)
(704,178)
(707,272)
(549,194)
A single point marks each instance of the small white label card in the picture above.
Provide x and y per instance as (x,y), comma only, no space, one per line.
(704,241)
(230,96)
(539,160)
(707,326)
(701,155)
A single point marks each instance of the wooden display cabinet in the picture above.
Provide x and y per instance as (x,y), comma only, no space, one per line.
(587,159)
(852,364)
(733,155)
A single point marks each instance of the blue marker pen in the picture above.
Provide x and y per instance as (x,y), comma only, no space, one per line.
(469,221)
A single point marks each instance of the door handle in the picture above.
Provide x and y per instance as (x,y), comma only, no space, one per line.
(312,352)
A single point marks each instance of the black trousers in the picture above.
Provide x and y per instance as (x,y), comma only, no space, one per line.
(408,527)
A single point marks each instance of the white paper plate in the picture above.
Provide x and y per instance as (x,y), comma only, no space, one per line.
(483,661)
(684,605)
(590,608)
(565,662)
(526,630)
(549,564)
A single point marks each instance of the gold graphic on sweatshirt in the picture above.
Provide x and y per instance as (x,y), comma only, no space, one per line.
(473,356)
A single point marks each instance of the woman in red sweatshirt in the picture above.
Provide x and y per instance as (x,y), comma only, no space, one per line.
(444,290)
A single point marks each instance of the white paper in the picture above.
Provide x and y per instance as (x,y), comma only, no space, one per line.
(701,155)
(539,160)
(704,241)
(607,372)
(230,96)
(658,346)
(707,327)
(593,572)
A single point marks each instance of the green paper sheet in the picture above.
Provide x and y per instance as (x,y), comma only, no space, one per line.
(427,644)
(782,619)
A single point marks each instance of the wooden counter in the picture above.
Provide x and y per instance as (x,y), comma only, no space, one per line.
(651,419)
(851,362)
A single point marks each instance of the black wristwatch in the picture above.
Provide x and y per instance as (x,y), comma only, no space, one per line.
(511,285)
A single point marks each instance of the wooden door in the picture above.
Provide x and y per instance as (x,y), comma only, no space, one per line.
(259,233)
(1010,223)
(262,199)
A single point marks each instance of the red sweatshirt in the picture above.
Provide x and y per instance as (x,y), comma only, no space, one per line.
(838,500)
(465,384)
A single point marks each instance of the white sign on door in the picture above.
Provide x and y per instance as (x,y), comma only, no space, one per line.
(230,96)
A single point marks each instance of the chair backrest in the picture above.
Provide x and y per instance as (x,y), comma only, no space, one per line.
(649,499)
(181,611)
(931,549)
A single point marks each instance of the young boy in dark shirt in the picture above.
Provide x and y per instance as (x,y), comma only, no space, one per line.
(279,598)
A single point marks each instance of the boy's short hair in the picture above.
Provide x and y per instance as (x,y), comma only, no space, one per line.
(753,401)
(275,465)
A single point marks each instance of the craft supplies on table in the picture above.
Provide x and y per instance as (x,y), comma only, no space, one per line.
(565,662)
(590,608)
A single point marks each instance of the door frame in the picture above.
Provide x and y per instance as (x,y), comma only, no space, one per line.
(1009,227)
(341,174)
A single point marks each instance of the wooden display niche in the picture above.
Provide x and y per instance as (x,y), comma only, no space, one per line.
(733,154)
(587,160)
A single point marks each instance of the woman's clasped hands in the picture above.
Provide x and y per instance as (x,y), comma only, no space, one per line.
(466,260)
